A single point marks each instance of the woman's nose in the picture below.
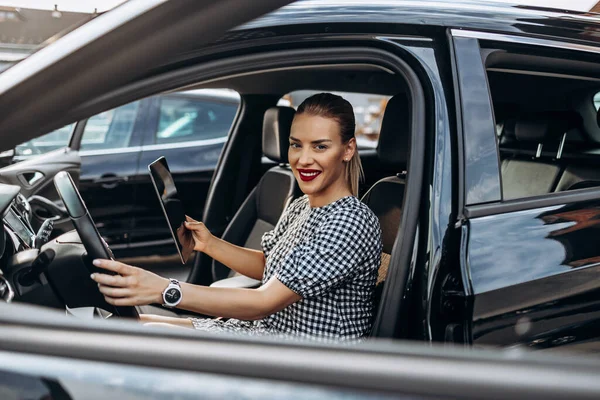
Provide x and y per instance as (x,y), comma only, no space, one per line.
(305,158)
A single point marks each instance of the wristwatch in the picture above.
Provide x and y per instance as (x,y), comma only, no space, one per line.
(172,294)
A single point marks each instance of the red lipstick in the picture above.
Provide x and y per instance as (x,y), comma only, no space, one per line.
(308,175)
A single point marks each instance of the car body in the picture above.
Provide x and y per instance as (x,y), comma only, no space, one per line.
(472,265)
(116,147)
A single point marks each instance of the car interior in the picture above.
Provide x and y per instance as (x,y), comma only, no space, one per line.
(384,167)
(546,121)
(253,182)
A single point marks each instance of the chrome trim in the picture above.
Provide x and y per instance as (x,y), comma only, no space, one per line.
(548,74)
(561,146)
(195,143)
(152,147)
(404,38)
(122,150)
(538,153)
(499,37)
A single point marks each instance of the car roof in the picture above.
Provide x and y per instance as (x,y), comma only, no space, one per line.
(468,14)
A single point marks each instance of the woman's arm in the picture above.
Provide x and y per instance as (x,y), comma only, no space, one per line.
(245,261)
(136,286)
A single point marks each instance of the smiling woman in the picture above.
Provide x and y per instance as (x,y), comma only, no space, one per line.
(318,266)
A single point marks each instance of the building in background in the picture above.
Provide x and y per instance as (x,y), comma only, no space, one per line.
(25,30)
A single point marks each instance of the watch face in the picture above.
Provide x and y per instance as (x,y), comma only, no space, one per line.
(172,295)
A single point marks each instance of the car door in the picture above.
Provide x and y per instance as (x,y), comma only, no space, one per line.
(109,146)
(529,254)
(189,129)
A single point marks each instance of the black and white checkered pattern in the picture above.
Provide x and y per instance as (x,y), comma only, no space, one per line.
(328,255)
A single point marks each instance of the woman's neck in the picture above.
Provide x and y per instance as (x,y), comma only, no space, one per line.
(329,196)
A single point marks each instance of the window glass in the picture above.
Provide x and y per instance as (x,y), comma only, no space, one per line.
(51,141)
(546,142)
(368,112)
(111,129)
(196,115)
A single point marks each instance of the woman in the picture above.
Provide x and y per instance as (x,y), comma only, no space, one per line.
(318,266)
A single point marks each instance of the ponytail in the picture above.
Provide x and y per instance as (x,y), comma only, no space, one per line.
(354,173)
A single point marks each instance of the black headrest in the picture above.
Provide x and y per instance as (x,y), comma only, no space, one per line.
(598,117)
(543,126)
(276,133)
(394,137)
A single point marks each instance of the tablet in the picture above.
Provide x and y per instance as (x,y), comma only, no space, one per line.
(172,207)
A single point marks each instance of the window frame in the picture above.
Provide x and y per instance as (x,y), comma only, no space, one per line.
(547,200)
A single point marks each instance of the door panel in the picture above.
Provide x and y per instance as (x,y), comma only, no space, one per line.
(110,150)
(35,176)
(535,276)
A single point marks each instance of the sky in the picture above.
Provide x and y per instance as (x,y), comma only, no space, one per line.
(103,5)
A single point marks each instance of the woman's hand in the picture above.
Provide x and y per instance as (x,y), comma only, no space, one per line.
(202,236)
(132,287)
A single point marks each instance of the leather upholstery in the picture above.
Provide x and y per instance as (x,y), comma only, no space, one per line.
(276,132)
(386,196)
(394,136)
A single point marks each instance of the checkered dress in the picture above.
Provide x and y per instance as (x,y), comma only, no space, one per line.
(328,255)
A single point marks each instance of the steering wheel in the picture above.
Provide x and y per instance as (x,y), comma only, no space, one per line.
(94,245)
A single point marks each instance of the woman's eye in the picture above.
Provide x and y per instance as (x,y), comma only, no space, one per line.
(294,145)
(321,147)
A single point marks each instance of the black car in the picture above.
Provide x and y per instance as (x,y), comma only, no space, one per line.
(484,179)
(114,149)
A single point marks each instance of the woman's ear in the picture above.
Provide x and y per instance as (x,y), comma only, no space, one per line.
(350,149)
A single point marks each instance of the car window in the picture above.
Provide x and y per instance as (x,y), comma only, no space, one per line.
(111,129)
(189,118)
(51,141)
(368,112)
(546,141)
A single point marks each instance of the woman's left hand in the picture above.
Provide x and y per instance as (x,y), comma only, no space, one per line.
(132,286)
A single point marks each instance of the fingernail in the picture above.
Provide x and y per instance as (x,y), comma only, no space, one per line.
(96,263)
(92,276)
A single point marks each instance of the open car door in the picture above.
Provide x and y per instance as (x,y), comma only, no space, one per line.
(80,74)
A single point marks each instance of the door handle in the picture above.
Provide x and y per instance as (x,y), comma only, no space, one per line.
(110,181)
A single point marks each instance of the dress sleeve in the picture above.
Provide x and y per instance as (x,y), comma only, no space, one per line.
(270,238)
(335,253)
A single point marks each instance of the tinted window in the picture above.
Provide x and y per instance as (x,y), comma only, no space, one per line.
(368,112)
(111,129)
(51,141)
(185,119)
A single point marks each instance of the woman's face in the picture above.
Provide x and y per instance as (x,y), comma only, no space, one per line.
(318,156)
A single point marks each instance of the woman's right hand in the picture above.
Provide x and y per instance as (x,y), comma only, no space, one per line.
(200,233)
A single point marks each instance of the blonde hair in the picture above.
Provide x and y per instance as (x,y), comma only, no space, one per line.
(329,105)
